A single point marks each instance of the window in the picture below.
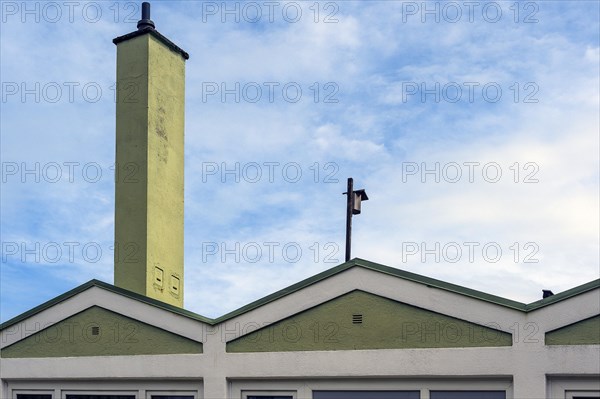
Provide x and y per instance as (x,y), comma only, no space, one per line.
(366,394)
(467,395)
(172,397)
(574,387)
(582,395)
(268,394)
(269,397)
(373,388)
(77,396)
(123,389)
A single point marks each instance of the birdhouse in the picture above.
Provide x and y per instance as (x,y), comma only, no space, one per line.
(359,196)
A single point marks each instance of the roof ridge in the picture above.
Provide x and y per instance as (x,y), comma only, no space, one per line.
(356,262)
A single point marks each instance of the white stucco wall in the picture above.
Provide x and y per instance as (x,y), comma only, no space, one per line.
(527,369)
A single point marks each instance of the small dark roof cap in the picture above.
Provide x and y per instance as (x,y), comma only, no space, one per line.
(151,31)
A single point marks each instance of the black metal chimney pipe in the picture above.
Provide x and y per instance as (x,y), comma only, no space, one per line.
(145,22)
(145,10)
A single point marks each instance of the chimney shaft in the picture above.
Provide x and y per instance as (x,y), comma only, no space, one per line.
(149,164)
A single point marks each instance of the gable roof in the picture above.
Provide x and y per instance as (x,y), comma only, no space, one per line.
(108,287)
(356,262)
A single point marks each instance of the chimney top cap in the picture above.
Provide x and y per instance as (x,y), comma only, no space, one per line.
(146,27)
(145,22)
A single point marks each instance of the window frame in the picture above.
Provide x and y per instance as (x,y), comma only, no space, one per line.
(140,388)
(305,386)
(246,393)
(32,392)
(417,391)
(582,394)
(173,392)
(467,391)
(567,387)
(65,392)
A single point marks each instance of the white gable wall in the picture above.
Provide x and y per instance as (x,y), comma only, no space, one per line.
(526,366)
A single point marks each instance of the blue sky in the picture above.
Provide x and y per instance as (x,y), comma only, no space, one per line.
(473,128)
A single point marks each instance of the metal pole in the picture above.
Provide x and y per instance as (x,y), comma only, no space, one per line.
(349,206)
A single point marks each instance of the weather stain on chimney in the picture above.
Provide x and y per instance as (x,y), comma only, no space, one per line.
(160,123)
(161,131)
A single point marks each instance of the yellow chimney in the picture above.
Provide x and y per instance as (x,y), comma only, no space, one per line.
(149,163)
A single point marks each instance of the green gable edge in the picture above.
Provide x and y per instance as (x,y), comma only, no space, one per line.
(108,287)
(356,262)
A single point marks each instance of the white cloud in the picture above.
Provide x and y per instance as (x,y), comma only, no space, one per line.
(368,133)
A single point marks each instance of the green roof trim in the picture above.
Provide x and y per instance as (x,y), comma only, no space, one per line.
(356,262)
(564,295)
(108,287)
(428,281)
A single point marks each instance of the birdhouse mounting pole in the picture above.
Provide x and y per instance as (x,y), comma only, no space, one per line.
(349,207)
(354,200)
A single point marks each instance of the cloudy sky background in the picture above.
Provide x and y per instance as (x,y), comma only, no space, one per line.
(366,59)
